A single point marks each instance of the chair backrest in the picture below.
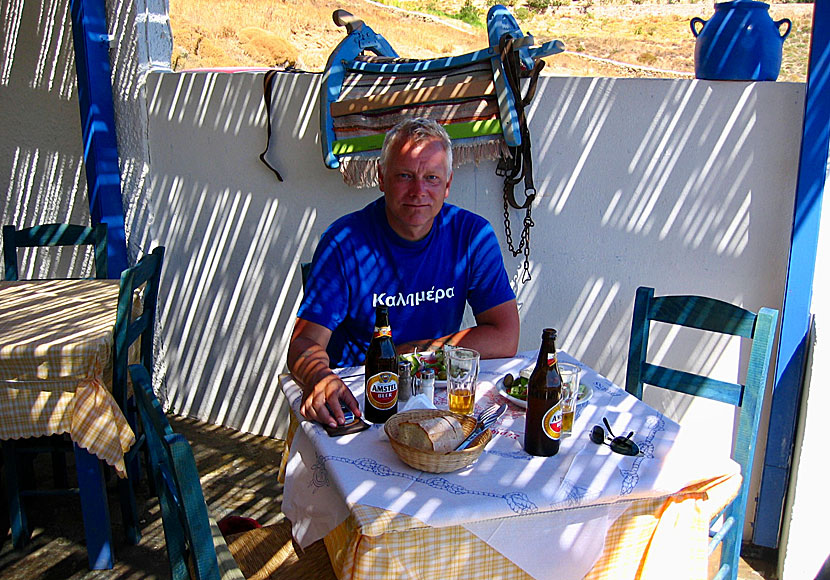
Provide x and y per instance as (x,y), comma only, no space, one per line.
(53,235)
(147,272)
(305,270)
(717,316)
(187,529)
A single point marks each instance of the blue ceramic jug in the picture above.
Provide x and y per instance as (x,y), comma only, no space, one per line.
(739,43)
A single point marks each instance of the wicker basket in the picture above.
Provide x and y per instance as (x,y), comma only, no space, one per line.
(433,461)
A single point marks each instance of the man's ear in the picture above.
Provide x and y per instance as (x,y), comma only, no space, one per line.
(380,177)
(449,183)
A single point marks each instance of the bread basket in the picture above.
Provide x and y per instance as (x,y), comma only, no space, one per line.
(433,461)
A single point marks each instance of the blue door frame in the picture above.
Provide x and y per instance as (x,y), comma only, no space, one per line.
(92,65)
(795,318)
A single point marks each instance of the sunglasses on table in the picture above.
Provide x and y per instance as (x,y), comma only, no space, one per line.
(617,443)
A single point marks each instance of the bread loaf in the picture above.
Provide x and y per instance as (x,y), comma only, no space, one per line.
(439,434)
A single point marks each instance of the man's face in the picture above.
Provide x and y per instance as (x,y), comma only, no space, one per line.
(415,184)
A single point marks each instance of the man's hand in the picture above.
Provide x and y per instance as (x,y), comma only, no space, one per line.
(322,401)
(323,391)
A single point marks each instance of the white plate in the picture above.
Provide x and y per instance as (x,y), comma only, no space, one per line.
(583,395)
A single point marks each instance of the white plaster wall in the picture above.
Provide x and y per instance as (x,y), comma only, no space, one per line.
(687,186)
(42,178)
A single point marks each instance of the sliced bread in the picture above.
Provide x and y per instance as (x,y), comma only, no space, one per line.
(439,434)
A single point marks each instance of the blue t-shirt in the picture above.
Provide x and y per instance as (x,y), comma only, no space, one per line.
(361,262)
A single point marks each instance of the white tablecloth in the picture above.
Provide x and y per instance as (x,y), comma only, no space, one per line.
(570,498)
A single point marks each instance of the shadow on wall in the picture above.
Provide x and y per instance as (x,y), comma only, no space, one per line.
(670,183)
(233,284)
(41,155)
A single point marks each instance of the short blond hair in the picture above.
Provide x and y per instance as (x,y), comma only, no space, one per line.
(416,130)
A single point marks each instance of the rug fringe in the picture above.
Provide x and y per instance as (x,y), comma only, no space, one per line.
(361,170)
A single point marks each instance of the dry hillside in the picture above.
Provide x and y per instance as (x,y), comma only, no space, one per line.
(602,38)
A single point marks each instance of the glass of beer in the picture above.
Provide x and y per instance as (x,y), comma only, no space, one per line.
(570,390)
(462,373)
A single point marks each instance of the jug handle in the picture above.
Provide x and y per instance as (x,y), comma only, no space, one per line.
(702,23)
(789,24)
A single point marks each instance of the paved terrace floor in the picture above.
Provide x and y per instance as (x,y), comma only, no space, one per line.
(239,477)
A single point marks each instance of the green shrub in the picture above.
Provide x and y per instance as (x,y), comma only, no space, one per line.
(647,58)
(538,6)
(469,13)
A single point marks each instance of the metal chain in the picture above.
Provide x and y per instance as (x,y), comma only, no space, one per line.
(516,166)
(524,239)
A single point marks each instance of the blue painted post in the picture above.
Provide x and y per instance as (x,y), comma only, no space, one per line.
(94,509)
(92,64)
(815,143)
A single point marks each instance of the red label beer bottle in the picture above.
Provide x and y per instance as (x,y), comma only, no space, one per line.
(543,422)
(381,371)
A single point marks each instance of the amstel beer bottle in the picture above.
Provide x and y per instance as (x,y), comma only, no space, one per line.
(543,422)
(381,371)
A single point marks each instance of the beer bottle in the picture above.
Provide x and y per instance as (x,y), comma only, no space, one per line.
(381,371)
(543,421)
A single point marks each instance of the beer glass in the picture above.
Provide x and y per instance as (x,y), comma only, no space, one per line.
(570,390)
(462,372)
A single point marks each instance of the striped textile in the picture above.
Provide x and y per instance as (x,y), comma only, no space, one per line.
(380,122)
(358,84)
(56,341)
(370,104)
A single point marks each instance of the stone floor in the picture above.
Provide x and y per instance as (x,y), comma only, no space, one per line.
(238,478)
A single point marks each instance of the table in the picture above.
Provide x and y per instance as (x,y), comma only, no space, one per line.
(585,513)
(56,344)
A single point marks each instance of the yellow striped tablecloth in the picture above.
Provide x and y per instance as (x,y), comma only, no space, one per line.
(56,342)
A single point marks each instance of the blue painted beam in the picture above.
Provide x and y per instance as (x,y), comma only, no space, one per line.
(92,64)
(795,318)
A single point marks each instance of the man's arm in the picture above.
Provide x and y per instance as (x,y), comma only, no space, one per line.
(495,335)
(309,363)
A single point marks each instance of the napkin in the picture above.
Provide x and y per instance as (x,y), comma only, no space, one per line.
(420,401)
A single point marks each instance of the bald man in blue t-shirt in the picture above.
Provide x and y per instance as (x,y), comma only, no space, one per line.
(410,251)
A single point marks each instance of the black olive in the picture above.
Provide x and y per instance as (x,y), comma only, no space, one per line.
(508,380)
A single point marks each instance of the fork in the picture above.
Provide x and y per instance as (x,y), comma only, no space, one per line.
(485,419)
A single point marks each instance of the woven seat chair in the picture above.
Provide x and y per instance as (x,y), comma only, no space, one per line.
(196,548)
(18,455)
(716,316)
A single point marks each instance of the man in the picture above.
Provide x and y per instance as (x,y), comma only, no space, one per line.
(412,252)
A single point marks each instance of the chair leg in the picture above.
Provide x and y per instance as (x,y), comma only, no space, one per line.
(129,509)
(731,545)
(17,512)
(127,487)
(59,470)
(95,510)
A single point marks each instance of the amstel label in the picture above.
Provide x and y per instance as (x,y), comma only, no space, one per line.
(382,390)
(383,331)
(552,422)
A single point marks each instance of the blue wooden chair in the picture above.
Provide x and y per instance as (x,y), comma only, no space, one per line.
(54,235)
(195,545)
(146,273)
(191,547)
(711,315)
(17,455)
(305,270)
